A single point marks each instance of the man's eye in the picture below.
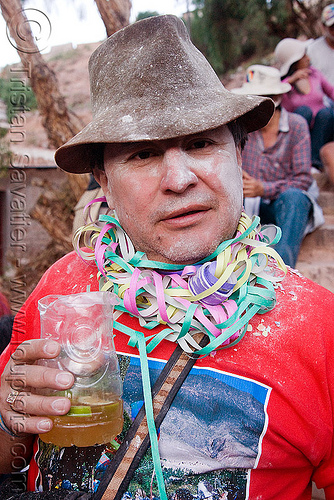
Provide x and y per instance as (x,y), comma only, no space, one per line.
(200,144)
(142,155)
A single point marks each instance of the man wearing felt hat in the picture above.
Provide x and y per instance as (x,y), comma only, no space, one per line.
(188,266)
(277,181)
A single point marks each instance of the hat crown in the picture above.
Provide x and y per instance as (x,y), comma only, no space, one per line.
(263,76)
(262,80)
(149,82)
(289,51)
(161,65)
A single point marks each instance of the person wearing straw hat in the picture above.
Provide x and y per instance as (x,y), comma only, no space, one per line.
(309,90)
(191,270)
(321,54)
(321,51)
(277,167)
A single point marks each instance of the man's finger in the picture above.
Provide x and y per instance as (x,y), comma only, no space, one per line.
(21,377)
(35,349)
(34,404)
(21,424)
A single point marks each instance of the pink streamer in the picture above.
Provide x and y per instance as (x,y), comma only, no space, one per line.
(130,294)
(88,205)
(178,281)
(101,248)
(160,296)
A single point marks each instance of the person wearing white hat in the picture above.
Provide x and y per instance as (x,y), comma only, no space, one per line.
(309,88)
(198,284)
(277,165)
(321,50)
(321,53)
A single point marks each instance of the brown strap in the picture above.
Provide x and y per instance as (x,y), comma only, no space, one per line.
(118,475)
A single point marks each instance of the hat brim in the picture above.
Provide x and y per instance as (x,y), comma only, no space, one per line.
(142,124)
(329,23)
(250,89)
(295,56)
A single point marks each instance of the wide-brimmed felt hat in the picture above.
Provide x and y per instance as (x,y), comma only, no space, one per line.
(149,82)
(289,51)
(262,80)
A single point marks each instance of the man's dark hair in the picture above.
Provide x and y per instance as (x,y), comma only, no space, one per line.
(238,132)
(96,153)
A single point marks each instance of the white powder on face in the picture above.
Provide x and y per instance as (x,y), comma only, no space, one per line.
(178,202)
(184,178)
(187,245)
(189,250)
(177,171)
(210,182)
(191,245)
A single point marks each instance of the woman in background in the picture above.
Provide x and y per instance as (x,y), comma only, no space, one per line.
(306,97)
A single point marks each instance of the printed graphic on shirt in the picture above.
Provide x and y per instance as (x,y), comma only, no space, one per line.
(216,421)
(208,441)
(71,468)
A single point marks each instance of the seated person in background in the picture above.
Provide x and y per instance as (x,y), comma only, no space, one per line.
(277,166)
(327,158)
(321,51)
(309,88)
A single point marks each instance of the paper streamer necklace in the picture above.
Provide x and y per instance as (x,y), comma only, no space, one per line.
(216,296)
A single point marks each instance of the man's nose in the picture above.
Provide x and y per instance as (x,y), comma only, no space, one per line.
(178,173)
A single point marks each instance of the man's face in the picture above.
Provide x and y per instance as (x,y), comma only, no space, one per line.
(179,198)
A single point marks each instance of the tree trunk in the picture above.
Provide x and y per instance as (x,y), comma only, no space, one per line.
(54,209)
(114,13)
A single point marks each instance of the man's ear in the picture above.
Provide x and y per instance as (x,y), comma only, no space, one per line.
(101,178)
(97,174)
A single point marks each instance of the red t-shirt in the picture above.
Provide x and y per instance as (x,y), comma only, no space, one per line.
(252,421)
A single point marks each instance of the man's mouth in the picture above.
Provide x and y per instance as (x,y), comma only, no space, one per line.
(185,217)
(184,214)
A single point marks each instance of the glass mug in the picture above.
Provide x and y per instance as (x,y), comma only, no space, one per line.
(83,325)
